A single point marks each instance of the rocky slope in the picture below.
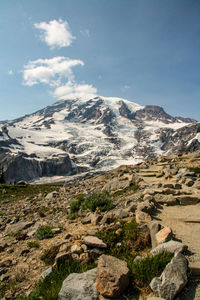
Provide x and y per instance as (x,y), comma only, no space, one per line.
(149,192)
(82,135)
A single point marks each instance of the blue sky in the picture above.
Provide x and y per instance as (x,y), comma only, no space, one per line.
(147,51)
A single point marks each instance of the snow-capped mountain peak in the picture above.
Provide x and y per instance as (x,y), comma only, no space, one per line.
(85,134)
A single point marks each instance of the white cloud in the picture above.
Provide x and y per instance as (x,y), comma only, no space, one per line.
(72,90)
(49,71)
(55,33)
(10,72)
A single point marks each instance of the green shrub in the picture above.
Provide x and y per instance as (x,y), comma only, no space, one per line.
(145,270)
(14,234)
(44,232)
(49,288)
(34,244)
(93,201)
(99,200)
(72,216)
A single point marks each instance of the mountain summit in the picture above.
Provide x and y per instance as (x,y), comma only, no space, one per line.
(79,135)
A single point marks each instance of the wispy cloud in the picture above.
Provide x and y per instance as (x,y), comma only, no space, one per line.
(55,33)
(10,72)
(85,32)
(50,71)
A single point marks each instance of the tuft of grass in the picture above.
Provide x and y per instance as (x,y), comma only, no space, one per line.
(91,202)
(14,234)
(34,244)
(44,232)
(49,288)
(145,270)
(49,255)
(128,242)
(18,192)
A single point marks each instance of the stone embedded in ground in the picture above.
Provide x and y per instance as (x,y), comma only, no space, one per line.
(187,199)
(115,186)
(145,206)
(165,199)
(154,227)
(112,276)
(76,249)
(46,272)
(80,286)
(18,226)
(94,242)
(163,235)
(51,195)
(120,214)
(142,217)
(171,247)
(172,279)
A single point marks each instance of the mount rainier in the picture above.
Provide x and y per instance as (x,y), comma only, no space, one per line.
(87,135)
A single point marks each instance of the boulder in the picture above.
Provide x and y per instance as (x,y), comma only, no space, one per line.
(163,235)
(120,214)
(79,286)
(94,242)
(145,206)
(165,199)
(115,186)
(172,279)
(112,276)
(142,217)
(171,247)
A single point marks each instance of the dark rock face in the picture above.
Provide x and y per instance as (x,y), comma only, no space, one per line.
(22,168)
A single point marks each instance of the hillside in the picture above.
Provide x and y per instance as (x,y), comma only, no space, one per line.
(149,196)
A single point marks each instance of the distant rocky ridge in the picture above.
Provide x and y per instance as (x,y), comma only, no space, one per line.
(84,135)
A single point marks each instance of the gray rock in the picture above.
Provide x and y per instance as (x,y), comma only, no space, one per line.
(145,206)
(94,242)
(154,227)
(51,195)
(116,185)
(142,217)
(79,286)
(187,199)
(120,214)
(173,278)
(171,246)
(18,226)
(46,273)
(165,199)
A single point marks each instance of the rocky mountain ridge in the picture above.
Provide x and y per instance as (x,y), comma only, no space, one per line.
(84,135)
